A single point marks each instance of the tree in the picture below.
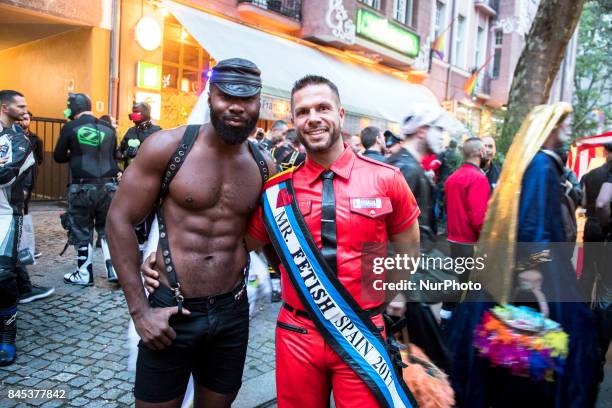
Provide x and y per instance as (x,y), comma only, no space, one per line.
(593,79)
(537,67)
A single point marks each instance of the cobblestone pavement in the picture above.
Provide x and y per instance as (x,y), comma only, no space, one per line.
(75,341)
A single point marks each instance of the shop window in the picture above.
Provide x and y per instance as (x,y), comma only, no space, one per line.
(169,77)
(403,11)
(184,60)
(189,81)
(375,4)
(172,51)
(191,56)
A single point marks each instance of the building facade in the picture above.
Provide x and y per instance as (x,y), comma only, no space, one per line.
(379,51)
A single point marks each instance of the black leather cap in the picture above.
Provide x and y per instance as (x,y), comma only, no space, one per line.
(237,77)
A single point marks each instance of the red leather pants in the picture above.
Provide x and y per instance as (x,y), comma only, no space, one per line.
(308,369)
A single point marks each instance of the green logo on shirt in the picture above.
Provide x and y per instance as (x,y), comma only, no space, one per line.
(90,136)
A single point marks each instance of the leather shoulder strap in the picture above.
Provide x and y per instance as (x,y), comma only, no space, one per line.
(178,158)
(264,172)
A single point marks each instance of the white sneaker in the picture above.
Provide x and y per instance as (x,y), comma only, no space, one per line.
(79,278)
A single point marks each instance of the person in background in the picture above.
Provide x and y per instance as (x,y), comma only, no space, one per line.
(596,278)
(431,164)
(15,158)
(109,121)
(288,154)
(38,150)
(392,143)
(373,141)
(29,292)
(137,134)
(450,161)
(353,141)
(89,147)
(276,135)
(466,194)
(491,169)
(420,135)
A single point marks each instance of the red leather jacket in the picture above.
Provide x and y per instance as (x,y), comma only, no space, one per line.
(373,202)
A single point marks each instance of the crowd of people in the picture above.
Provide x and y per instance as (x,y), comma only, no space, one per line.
(308,196)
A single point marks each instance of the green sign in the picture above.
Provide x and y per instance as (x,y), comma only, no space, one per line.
(149,76)
(380,30)
(90,136)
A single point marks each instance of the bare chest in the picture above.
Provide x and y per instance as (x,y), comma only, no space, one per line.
(207,183)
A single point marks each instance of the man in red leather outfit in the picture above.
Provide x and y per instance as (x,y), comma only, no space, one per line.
(373,204)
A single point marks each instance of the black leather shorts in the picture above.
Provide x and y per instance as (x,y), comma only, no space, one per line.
(211,344)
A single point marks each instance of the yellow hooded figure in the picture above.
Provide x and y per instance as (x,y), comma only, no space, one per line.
(523,244)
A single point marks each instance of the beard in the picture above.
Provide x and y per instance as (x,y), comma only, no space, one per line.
(484,162)
(333,138)
(14,116)
(232,135)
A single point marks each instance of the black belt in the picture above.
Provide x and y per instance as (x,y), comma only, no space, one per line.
(235,294)
(102,180)
(302,313)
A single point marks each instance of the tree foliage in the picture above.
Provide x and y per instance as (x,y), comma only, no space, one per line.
(593,78)
(553,26)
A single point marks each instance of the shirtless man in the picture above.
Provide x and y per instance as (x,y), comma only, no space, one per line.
(205,214)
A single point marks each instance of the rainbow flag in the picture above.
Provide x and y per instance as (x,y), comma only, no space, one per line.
(439,45)
(470,85)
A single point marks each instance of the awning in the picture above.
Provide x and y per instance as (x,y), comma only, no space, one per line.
(363,91)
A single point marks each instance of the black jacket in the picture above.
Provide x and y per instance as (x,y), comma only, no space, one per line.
(89,146)
(493,175)
(373,154)
(139,133)
(421,188)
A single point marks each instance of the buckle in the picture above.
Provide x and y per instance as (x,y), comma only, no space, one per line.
(239,294)
(179,298)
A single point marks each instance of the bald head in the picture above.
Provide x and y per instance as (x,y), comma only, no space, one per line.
(473,148)
(489,147)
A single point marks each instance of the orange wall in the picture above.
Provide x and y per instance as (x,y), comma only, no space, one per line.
(47,69)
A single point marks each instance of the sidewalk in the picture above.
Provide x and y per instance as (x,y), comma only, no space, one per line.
(75,340)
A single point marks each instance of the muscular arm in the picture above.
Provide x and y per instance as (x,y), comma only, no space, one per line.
(134,199)
(603,204)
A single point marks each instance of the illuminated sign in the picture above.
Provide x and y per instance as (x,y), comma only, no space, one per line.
(154,100)
(390,35)
(149,76)
(148,33)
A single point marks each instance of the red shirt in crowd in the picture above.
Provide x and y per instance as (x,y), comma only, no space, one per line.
(430,162)
(466,194)
(373,202)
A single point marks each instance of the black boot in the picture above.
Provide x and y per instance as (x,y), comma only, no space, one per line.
(8,334)
(111,275)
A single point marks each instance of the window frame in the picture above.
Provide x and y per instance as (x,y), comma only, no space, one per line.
(181,66)
(373,4)
(458,59)
(407,13)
